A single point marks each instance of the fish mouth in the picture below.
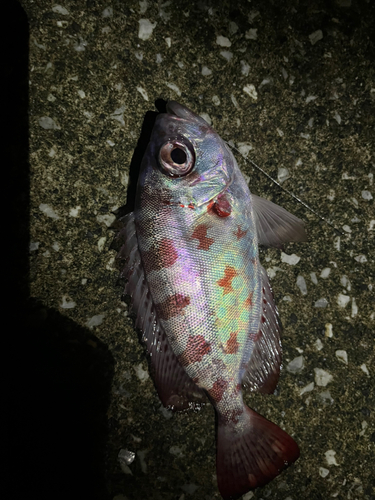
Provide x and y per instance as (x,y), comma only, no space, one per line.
(176,109)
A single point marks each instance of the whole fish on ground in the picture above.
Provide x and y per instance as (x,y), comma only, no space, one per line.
(201,298)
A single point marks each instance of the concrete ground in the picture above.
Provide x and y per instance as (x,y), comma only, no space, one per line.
(290,84)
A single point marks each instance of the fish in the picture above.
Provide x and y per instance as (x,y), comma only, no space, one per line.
(201,297)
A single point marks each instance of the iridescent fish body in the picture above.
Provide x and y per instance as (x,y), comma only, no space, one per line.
(201,297)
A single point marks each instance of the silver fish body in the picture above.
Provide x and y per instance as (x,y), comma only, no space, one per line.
(202,299)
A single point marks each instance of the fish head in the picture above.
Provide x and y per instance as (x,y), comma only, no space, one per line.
(186,159)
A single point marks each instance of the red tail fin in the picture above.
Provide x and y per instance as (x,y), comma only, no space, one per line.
(252,456)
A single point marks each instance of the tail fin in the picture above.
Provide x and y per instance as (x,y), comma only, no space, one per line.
(252,456)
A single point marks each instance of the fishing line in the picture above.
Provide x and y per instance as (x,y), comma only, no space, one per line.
(286,190)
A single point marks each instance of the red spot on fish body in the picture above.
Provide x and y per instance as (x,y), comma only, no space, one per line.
(210,206)
(168,252)
(172,306)
(222,207)
(196,348)
(226,281)
(231,345)
(249,300)
(200,234)
(160,256)
(191,206)
(218,389)
(239,233)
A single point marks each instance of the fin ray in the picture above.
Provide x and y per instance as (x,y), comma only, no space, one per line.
(175,388)
(252,455)
(263,368)
(275,225)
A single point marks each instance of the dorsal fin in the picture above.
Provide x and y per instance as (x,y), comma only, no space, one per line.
(176,389)
(263,368)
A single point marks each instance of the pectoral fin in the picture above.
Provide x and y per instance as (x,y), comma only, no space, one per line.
(275,225)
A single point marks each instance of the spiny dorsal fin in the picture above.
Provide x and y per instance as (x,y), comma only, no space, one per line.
(176,389)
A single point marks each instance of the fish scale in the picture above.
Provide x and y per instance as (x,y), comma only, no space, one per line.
(210,323)
(215,309)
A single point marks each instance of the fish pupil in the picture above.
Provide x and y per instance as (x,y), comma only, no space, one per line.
(178,156)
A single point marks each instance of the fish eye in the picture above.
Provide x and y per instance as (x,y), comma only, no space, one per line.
(177,157)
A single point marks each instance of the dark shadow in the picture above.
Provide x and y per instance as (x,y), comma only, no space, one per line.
(135,164)
(161,105)
(58,404)
(58,378)
(16,147)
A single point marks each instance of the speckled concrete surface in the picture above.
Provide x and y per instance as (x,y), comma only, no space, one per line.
(293,86)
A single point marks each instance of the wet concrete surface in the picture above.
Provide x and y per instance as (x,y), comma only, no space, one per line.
(292,86)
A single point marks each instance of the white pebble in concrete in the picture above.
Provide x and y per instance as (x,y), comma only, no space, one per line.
(323,472)
(296,365)
(325,272)
(48,211)
(321,303)
(301,283)
(146,27)
(366,195)
(48,123)
(315,37)
(330,457)
(361,258)
(67,303)
(141,373)
(342,356)
(95,320)
(318,344)
(343,300)
(292,259)
(223,41)
(307,388)
(314,279)
(322,377)
(365,369)
(251,91)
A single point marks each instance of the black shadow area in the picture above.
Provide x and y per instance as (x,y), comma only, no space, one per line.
(59,401)
(136,161)
(135,164)
(57,375)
